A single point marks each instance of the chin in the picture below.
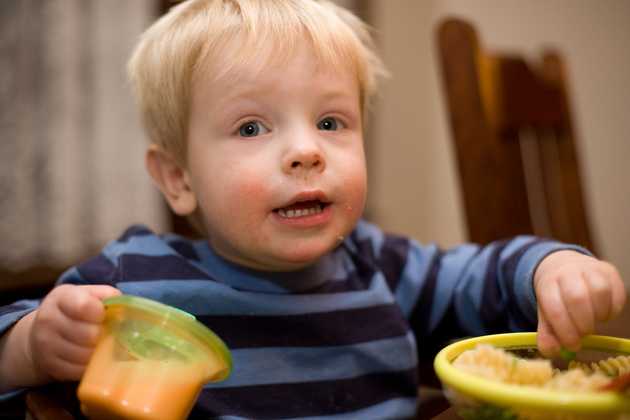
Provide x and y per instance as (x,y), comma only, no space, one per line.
(303,256)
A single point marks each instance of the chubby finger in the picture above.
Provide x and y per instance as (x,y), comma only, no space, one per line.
(619,294)
(75,354)
(59,348)
(557,315)
(64,370)
(82,303)
(547,343)
(601,295)
(618,302)
(577,299)
(81,333)
(101,291)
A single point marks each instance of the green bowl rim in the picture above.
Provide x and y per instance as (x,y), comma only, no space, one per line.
(180,318)
(511,395)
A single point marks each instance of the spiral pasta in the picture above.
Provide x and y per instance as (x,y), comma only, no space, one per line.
(612,366)
(577,380)
(495,363)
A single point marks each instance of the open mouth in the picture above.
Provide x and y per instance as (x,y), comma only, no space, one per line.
(302,209)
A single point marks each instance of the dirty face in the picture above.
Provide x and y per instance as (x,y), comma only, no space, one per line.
(276,162)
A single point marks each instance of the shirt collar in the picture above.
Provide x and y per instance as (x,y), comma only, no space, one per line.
(243,278)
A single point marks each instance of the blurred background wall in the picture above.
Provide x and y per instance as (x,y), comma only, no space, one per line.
(413,184)
(71,149)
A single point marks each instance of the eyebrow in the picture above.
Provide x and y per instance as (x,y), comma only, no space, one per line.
(334,94)
(255,92)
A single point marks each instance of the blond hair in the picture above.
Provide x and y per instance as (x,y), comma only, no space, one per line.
(172,51)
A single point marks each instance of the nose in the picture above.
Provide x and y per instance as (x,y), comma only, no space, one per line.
(304,157)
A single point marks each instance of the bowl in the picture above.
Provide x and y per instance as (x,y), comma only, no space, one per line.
(150,362)
(476,397)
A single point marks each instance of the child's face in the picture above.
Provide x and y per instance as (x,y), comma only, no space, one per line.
(276,162)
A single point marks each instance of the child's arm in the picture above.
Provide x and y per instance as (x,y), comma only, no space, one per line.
(56,341)
(574,291)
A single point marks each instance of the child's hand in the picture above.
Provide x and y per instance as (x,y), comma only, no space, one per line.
(574,291)
(65,329)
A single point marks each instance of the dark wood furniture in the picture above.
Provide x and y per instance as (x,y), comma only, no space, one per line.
(514,140)
(29,283)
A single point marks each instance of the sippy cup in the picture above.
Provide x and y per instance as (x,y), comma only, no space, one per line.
(150,362)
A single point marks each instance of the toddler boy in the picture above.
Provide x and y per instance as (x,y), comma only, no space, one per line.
(255,112)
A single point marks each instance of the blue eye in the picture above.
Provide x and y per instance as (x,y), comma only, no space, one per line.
(328,124)
(251,129)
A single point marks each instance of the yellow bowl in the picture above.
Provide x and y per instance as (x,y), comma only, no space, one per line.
(469,392)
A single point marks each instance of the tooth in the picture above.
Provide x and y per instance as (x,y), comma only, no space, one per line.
(293,213)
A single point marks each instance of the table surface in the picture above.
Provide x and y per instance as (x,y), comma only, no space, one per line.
(449,414)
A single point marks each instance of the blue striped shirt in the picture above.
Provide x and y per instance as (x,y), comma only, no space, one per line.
(340,339)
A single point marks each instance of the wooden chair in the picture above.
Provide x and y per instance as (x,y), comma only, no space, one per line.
(514,141)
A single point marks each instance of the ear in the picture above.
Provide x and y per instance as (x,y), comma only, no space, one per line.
(171,179)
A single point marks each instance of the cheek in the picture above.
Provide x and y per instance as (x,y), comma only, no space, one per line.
(355,186)
(356,197)
(247,207)
(252,190)
(355,178)
(245,196)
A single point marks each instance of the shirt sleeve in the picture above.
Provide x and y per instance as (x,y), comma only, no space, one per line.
(466,290)
(10,314)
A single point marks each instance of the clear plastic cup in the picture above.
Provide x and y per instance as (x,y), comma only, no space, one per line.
(150,362)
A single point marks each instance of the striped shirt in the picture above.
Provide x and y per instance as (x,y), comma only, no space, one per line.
(338,340)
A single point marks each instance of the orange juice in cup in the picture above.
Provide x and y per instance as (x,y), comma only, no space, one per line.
(150,362)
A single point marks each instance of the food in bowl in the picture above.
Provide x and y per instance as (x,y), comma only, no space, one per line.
(484,380)
(499,364)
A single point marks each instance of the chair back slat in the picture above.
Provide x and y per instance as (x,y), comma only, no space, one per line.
(515,150)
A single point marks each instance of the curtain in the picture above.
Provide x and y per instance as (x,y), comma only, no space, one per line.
(72,173)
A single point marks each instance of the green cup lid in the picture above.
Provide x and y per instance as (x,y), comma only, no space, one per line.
(145,339)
